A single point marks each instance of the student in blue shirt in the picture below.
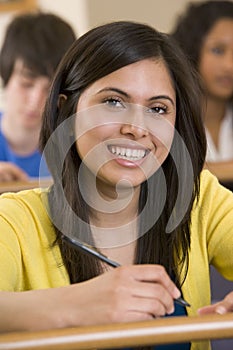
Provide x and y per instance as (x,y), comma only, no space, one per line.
(32,48)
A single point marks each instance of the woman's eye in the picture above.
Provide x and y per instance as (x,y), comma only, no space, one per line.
(113,102)
(158,110)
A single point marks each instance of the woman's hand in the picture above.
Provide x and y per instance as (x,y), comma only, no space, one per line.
(125,294)
(221,307)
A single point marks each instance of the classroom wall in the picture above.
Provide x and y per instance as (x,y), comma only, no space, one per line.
(158,13)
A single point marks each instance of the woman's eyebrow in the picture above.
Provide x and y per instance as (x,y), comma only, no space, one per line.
(163,97)
(113,89)
(109,89)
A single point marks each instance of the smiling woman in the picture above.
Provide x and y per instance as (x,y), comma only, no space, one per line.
(124,141)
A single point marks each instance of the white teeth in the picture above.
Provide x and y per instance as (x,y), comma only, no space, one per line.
(127,153)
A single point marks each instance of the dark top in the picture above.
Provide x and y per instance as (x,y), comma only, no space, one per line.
(179,311)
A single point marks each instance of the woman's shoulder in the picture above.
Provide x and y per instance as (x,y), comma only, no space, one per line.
(209,180)
(29,194)
(33,201)
(212,193)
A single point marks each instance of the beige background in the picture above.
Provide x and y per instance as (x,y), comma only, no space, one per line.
(159,13)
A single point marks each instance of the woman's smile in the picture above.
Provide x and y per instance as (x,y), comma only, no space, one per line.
(128,156)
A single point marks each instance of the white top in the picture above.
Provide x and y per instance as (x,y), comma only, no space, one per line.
(225,141)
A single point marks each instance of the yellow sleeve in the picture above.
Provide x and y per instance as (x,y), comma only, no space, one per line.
(217,208)
(10,257)
(28,259)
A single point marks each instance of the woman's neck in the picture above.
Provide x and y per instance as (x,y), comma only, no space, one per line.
(115,223)
(122,208)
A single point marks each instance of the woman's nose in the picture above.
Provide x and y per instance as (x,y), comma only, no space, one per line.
(134,131)
(134,124)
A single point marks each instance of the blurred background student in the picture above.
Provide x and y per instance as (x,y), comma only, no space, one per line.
(205,32)
(32,48)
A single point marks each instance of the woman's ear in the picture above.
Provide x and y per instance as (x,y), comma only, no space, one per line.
(61,100)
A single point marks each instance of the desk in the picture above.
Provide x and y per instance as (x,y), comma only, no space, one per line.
(15,186)
(122,335)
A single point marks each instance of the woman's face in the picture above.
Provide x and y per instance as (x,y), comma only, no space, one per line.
(216,60)
(125,123)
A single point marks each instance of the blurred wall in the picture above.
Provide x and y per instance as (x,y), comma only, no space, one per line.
(159,13)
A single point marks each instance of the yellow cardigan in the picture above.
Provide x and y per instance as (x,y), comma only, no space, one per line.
(28,262)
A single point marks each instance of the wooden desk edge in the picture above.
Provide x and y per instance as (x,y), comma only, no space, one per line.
(159,331)
(15,186)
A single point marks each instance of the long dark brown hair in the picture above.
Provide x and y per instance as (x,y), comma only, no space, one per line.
(96,54)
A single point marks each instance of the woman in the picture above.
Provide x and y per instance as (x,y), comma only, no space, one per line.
(205,32)
(124,141)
